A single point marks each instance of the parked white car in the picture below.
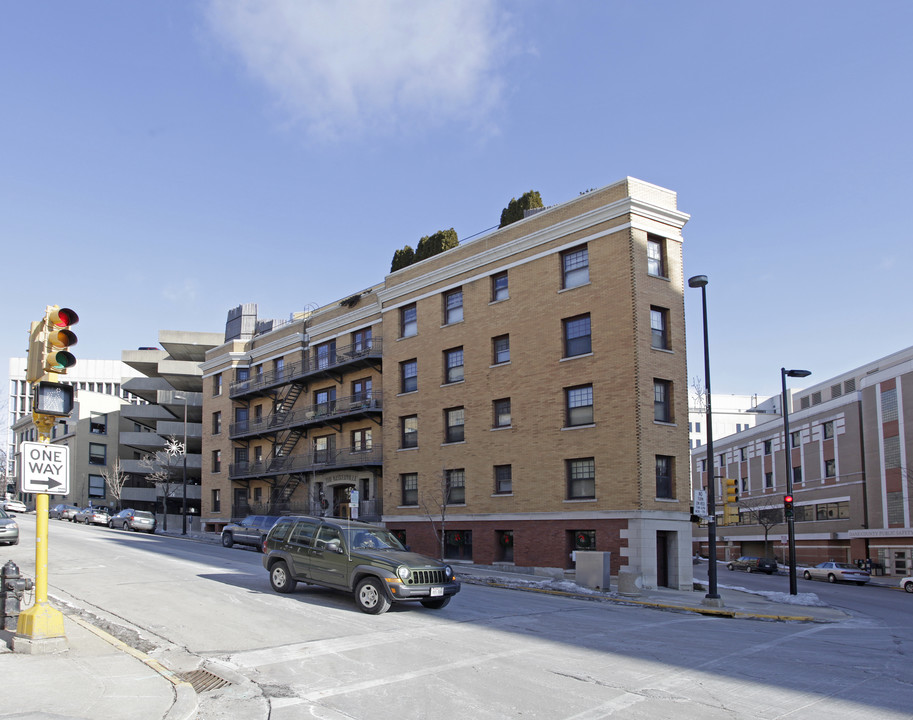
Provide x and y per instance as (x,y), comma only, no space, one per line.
(836,572)
(13,506)
(907,584)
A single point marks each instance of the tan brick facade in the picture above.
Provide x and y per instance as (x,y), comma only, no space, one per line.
(576,464)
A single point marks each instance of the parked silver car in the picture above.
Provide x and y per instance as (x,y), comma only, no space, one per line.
(93,515)
(130,519)
(9,529)
(63,511)
(835,571)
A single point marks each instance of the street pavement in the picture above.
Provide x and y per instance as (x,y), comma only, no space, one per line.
(96,675)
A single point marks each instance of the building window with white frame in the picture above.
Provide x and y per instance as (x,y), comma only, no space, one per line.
(581,479)
(408,321)
(453,365)
(456,487)
(578,405)
(454,428)
(575,267)
(409,426)
(453,306)
(656,256)
(409,376)
(502,413)
(577,337)
(410,488)
(499,287)
(500,349)
(503,480)
(659,328)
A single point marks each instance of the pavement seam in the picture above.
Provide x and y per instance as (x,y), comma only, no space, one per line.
(740,614)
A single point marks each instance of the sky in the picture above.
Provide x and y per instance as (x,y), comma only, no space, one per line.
(163,162)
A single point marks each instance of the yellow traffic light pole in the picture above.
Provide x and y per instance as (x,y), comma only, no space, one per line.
(41,621)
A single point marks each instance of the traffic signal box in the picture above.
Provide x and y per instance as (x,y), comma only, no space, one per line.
(787,506)
(731,502)
(49,342)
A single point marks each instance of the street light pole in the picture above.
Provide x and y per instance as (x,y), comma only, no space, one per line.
(712,592)
(184,476)
(790,521)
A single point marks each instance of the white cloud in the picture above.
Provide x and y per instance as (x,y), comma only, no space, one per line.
(368,66)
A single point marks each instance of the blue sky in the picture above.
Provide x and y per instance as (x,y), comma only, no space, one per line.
(157,157)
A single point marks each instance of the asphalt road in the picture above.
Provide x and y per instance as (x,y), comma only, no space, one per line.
(492,653)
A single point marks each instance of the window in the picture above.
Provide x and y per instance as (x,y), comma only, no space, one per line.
(499,289)
(453,425)
(241,457)
(409,483)
(659,326)
(453,306)
(408,372)
(216,423)
(662,401)
(891,452)
(243,374)
(502,413)
(279,368)
(768,479)
(832,511)
(258,495)
(409,425)
(664,487)
(456,487)
(217,384)
(581,479)
(743,454)
(744,484)
(98,424)
(889,405)
(408,321)
(362,341)
(830,468)
(326,355)
(217,501)
(828,429)
(503,484)
(324,449)
(98,454)
(325,401)
(453,365)
(577,340)
(500,349)
(656,256)
(767,447)
(241,418)
(797,473)
(96,486)
(361,390)
(579,405)
(361,440)
(575,266)
(795,439)
(216,461)
(258,454)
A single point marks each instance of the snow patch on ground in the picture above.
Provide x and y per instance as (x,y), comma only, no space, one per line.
(805,599)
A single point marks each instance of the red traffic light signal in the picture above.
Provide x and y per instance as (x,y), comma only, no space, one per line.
(788,505)
(59,338)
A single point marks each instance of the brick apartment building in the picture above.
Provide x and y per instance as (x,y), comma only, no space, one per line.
(849,453)
(524,392)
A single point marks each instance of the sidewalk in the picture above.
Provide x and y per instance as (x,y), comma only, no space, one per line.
(99,676)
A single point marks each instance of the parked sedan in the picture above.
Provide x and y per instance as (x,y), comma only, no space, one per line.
(751,563)
(9,529)
(14,506)
(907,584)
(252,530)
(130,519)
(93,515)
(835,571)
(63,511)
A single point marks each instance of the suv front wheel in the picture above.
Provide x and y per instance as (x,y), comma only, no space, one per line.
(370,598)
(281,579)
(227,540)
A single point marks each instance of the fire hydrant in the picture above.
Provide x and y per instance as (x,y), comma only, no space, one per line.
(12,588)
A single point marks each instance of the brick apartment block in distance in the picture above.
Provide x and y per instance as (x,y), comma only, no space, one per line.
(525,391)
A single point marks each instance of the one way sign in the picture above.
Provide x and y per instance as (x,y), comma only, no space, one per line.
(44,468)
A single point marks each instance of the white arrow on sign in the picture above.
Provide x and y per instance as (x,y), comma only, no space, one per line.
(44,468)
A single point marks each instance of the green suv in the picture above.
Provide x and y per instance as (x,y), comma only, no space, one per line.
(365,559)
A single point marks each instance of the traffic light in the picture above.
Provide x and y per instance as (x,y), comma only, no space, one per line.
(37,343)
(53,399)
(788,506)
(731,491)
(730,514)
(58,359)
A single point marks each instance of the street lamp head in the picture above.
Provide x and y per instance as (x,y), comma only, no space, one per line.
(797,373)
(698,281)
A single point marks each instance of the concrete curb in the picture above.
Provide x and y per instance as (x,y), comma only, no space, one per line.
(186,702)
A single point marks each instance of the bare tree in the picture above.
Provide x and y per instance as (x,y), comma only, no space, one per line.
(115,477)
(760,512)
(162,467)
(698,394)
(434,503)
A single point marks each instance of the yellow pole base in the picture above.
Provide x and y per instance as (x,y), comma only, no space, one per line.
(39,622)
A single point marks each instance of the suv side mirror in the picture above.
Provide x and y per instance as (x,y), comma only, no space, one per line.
(333,546)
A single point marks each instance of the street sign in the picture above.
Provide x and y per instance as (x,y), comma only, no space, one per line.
(44,468)
(700,503)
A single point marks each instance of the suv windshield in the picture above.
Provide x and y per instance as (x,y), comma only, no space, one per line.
(374,539)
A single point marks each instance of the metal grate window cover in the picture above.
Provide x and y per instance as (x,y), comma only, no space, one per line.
(426,577)
(203,680)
